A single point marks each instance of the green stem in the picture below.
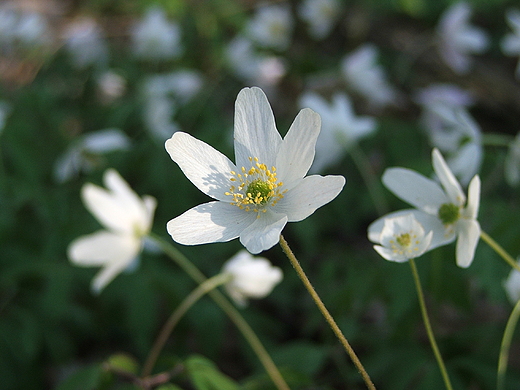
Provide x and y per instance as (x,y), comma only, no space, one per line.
(369,177)
(428,326)
(330,320)
(228,308)
(498,249)
(490,139)
(167,329)
(506,344)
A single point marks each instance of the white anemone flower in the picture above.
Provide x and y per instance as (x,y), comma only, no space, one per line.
(403,238)
(510,44)
(154,37)
(83,154)
(340,127)
(441,210)
(512,285)
(366,77)
(252,277)
(459,136)
(127,220)
(320,15)
(271,27)
(512,162)
(85,43)
(458,38)
(267,187)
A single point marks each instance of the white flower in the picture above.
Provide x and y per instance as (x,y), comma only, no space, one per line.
(82,154)
(253,277)
(510,44)
(512,162)
(111,86)
(85,44)
(158,117)
(32,30)
(366,77)
(512,285)
(320,15)
(443,211)
(254,67)
(255,198)
(154,37)
(127,220)
(458,38)
(271,27)
(340,127)
(459,136)
(402,239)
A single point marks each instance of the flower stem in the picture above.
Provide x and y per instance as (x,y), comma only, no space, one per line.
(228,308)
(428,326)
(202,289)
(328,317)
(498,249)
(369,177)
(505,345)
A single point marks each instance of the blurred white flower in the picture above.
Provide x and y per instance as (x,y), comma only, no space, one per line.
(366,77)
(8,21)
(320,15)
(459,137)
(443,211)
(158,117)
(111,86)
(267,187)
(271,27)
(82,153)
(512,163)
(340,127)
(85,44)
(127,219)
(512,285)
(402,238)
(253,277)
(255,68)
(154,37)
(439,94)
(510,44)
(458,39)
(32,30)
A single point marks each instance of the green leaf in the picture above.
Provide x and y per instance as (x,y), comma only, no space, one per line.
(86,378)
(206,376)
(169,386)
(123,362)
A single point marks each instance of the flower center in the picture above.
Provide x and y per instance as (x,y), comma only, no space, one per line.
(255,188)
(405,243)
(449,213)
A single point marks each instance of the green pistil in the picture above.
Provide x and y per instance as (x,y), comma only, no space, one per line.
(449,213)
(259,191)
(404,240)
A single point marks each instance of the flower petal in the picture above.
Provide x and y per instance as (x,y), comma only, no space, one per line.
(209,222)
(311,193)
(441,236)
(107,274)
(208,169)
(297,149)
(415,189)
(447,179)
(473,204)
(264,232)
(255,129)
(468,235)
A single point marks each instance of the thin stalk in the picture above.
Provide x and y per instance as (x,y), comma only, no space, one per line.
(428,326)
(505,345)
(490,139)
(230,310)
(328,317)
(498,249)
(369,177)
(178,313)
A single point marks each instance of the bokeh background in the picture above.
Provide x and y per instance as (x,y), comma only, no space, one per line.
(80,92)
